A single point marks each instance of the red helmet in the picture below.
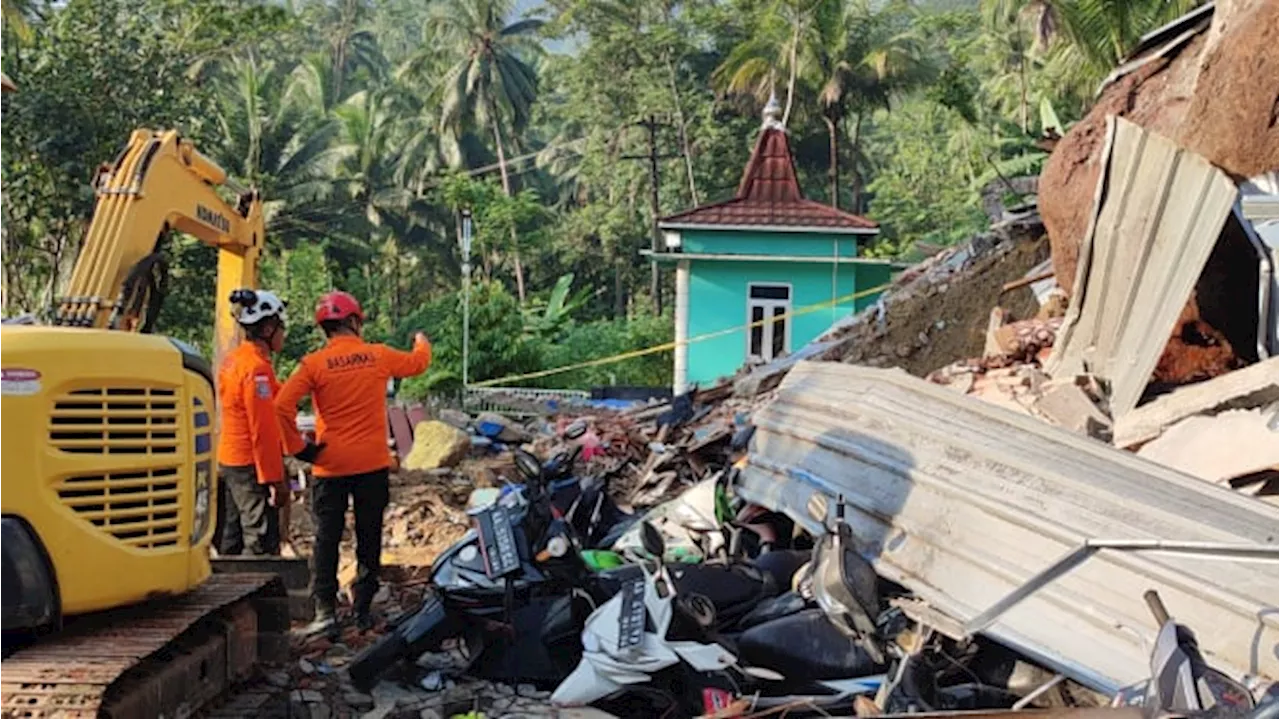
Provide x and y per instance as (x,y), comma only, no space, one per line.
(337,305)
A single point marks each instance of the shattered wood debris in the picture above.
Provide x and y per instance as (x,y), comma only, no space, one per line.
(983,320)
(649,455)
(654,453)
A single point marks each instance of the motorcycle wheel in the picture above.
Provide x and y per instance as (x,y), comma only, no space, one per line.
(373,661)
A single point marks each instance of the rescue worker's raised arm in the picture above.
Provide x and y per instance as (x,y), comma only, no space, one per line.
(295,388)
(407,364)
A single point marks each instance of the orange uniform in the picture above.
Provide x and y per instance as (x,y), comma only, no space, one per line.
(250,434)
(347,381)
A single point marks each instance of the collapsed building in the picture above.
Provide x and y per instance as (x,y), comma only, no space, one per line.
(1032,430)
(1143,322)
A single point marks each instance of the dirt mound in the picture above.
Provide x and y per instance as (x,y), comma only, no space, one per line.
(1216,95)
(1155,96)
(938,312)
(1232,116)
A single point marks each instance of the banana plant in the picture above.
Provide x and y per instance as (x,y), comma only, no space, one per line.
(546,318)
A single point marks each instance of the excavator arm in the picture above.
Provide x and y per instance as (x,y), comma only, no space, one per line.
(159,183)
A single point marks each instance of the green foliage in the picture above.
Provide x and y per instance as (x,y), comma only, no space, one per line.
(1080,41)
(369,126)
(496,347)
(924,190)
(547,319)
(188,311)
(605,338)
(299,276)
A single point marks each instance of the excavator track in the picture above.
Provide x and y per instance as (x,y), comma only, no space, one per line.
(163,658)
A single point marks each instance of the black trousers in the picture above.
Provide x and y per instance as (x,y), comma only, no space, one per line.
(369,494)
(246,522)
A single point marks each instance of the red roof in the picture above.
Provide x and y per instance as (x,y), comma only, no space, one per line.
(769,195)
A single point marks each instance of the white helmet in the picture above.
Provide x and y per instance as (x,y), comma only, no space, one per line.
(255,306)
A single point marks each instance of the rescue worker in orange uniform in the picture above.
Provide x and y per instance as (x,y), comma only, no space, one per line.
(251,475)
(347,381)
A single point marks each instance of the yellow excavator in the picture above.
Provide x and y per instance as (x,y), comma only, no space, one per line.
(108,450)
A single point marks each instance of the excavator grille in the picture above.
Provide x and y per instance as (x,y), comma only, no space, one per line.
(116,420)
(136,505)
(139,508)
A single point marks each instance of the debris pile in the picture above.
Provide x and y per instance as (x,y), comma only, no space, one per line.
(938,311)
(1206,82)
(674,445)
(989,557)
(648,455)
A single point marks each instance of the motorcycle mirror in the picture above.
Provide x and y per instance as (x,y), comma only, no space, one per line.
(527,464)
(652,541)
(559,462)
(576,429)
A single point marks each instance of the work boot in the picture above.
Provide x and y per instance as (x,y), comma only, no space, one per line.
(367,619)
(325,622)
(362,607)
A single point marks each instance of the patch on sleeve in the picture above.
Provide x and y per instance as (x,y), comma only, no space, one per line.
(262,385)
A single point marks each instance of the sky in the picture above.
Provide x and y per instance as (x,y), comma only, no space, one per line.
(559,46)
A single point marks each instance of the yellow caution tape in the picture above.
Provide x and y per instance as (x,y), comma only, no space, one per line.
(665,346)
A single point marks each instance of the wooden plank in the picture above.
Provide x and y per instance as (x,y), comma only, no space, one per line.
(401,430)
(1253,386)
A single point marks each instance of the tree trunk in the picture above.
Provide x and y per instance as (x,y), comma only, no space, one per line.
(619,291)
(853,169)
(1022,91)
(619,266)
(5,251)
(791,81)
(395,282)
(684,138)
(833,157)
(506,189)
(56,250)
(515,253)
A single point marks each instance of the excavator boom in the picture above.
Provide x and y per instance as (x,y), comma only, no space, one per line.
(159,183)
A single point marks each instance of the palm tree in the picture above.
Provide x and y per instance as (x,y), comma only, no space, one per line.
(1007,47)
(351,45)
(271,140)
(1086,39)
(369,169)
(492,84)
(861,58)
(774,49)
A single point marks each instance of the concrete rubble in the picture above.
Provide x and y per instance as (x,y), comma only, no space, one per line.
(981,472)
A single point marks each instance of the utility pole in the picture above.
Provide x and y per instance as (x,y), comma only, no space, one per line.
(655,279)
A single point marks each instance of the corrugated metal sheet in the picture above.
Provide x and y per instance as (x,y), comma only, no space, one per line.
(1157,217)
(962,501)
